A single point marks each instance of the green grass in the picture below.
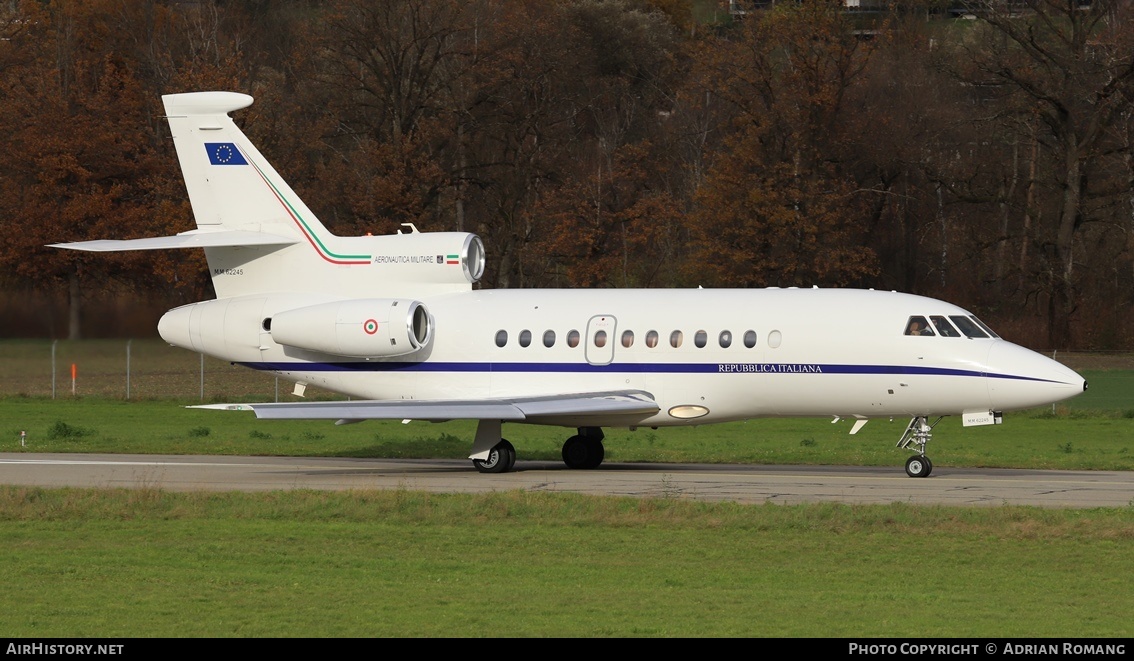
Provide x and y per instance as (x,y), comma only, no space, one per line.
(146,563)
(1077,439)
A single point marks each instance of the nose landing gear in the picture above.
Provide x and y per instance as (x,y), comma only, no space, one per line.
(918,466)
(918,433)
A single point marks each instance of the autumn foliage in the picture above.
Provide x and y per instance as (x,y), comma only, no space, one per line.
(606,143)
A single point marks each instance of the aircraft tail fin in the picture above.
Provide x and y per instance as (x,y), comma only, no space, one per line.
(230,184)
(259,236)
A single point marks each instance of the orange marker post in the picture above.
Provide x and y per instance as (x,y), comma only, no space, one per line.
(74,374)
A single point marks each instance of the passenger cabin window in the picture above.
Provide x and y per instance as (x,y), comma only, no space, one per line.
(549,338)
(652,339)
(675,339)
(627,339)
(967,326)
(600,339)
(918,326)
(700,338)
(750,338)
(525,338)
(501,338)
(573,339)
(725,339)
(944,328)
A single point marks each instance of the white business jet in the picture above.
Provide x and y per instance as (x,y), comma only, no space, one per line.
(394,322)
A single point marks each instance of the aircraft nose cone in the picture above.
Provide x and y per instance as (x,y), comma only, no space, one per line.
(1020,378)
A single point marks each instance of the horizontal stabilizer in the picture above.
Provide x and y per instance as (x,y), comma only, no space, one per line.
(191,239)
(507,409)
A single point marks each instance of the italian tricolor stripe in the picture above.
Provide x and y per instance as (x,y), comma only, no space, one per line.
(312,238)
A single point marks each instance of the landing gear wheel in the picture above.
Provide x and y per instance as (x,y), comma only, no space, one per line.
(575,452)
(501,458)
(595,453)
(915,438)
(918,466)
(511,455)
(583,452)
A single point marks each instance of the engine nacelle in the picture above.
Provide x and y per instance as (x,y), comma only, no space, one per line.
(359,328)
(424,257)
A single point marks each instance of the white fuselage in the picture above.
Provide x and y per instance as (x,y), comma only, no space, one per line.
(814,352)
(394,321)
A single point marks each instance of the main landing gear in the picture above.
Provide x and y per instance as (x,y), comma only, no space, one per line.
(501,458)
(918,433)
(493,454)
(584,450)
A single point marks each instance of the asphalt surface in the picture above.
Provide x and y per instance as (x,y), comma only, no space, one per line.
(710,482)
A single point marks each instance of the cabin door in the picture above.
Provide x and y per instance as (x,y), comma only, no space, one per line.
(599,348)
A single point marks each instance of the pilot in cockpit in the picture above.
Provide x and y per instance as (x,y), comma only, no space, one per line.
(918,326)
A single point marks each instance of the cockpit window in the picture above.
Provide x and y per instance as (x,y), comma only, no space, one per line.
(917,325)
(967,326)
(944,328)
(984,326)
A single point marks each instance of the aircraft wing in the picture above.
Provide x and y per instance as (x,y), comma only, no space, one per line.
(513,409)
(191,239)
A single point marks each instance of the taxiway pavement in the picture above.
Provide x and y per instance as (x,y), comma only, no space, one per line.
(710,482)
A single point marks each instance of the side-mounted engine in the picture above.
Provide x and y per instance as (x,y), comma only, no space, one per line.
(361,328)
(249,329)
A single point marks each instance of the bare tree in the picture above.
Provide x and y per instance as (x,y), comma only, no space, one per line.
(1072,64)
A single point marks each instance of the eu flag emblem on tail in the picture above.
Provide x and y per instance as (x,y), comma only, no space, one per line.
(224,153)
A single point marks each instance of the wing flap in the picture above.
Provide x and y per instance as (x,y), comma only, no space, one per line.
(506,409)
(627,402)
(191,239)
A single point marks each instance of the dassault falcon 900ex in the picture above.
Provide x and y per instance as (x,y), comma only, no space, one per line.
(394,322)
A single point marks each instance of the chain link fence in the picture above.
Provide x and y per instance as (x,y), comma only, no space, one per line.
(130,369)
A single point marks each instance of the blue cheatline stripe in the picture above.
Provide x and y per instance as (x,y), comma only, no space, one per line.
(631,368)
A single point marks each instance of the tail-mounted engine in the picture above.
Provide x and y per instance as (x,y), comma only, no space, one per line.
(424,258)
